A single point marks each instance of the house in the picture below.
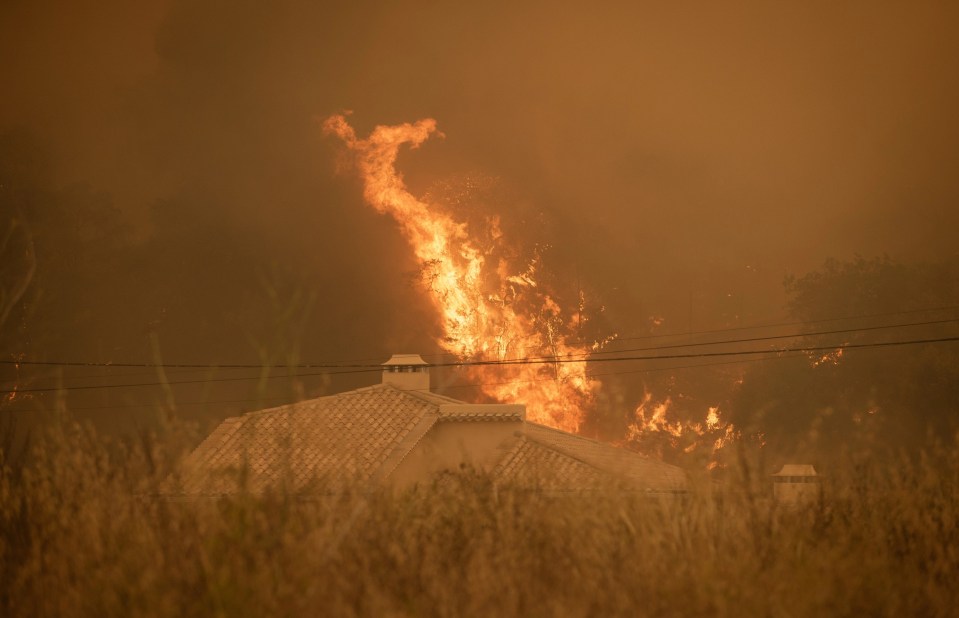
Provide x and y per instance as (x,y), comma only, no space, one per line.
(398,433)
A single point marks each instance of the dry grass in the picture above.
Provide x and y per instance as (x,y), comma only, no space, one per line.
(80,536)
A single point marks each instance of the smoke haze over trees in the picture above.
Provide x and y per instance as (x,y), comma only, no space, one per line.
(895,396)
(675,163)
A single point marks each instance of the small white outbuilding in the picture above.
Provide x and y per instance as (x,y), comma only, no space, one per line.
(796,484)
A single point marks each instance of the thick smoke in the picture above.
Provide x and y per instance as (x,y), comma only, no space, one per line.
(679,160)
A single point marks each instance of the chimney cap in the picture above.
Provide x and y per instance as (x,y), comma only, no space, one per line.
(405,360)
(797,470)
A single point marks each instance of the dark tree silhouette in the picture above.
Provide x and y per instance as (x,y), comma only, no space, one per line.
(888,397)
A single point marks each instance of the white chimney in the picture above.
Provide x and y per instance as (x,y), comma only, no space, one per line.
(407,372)
(796,484)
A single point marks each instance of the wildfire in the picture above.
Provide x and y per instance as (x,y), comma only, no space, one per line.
(490,308)
(651,428)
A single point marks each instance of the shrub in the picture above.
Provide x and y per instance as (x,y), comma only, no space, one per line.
(85,531)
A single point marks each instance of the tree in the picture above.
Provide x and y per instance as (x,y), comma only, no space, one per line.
(885,396)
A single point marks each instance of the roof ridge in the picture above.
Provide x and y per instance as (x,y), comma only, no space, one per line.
(510,453)
(526,447)
(220,434)
(404,447)
(575,435)
(427,396)
(572,454)
(613,450)
(349,393)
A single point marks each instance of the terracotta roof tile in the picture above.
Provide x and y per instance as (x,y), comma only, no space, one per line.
(361,436)
(532,464)
(647,473)
(339,439)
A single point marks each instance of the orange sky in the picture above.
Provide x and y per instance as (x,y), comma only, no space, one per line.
(695,124)
(672,154)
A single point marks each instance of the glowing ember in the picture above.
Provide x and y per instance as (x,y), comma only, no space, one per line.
(829,358)
(490,309)
(15,392)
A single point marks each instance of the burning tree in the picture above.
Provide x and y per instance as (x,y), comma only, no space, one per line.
(490,308)
(492,304)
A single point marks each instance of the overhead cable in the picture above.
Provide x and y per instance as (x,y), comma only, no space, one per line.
(532,361)
(592,355)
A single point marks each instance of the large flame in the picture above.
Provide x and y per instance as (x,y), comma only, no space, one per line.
(489,308)
(494,309)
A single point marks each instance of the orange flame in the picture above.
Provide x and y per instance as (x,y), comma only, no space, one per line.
(15,393)
(829,358)
(489,309)
(651,422)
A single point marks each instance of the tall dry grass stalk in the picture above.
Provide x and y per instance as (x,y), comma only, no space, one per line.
(84,534)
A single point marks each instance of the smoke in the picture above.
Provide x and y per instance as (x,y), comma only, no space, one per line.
(679,159)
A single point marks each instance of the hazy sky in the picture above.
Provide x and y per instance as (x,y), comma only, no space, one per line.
(668,151)
(702,129)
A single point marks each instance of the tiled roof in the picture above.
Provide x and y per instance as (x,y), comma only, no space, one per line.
(460,411)
(339,439)
(362,436)
(532,464)
(599,456)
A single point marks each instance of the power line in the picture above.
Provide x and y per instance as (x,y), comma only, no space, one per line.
(531,361)
(630,372)
(703,354)
(178,404)
(177,382)
(573,342)
(176,372)
(770,337)
(454,386)
(462,363)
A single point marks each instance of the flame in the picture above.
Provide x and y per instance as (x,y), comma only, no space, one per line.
(489,308)
(829,358)
(652,427)
(12,395)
